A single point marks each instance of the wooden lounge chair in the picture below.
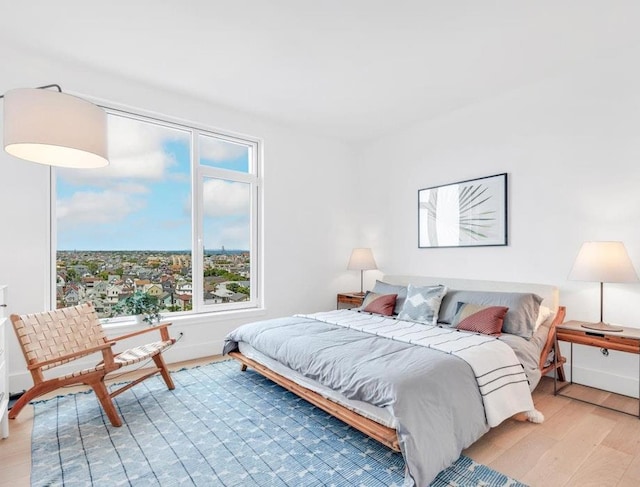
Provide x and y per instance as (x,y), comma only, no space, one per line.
(53,338)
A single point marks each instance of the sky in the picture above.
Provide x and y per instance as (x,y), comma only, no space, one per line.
(142,199)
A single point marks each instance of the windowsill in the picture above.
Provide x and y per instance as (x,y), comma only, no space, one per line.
(192,318)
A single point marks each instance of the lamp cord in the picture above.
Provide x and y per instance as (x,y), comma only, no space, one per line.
(44,88)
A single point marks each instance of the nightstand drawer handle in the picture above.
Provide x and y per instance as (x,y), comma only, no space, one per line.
(593,334)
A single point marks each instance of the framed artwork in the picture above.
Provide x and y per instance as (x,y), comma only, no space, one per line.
(471,213)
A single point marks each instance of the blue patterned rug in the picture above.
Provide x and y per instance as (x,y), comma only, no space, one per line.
(219,427)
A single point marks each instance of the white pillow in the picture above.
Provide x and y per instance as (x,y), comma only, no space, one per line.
(543,315)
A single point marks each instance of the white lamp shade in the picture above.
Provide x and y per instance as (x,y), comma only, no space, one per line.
(361,260)
(54,128)
(603,262)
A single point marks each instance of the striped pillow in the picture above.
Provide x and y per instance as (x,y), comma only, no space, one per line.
(487,320)
(382,304)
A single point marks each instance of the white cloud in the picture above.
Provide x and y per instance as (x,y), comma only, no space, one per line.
(88,208)
(130,188)
(135,152)
(232,235)
(220,150)
(150,166)
(225,198)
(237,233)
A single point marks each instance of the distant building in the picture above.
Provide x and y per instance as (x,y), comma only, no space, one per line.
(113,293)
(141,283)
(185,288)
(100,287)
(71,296)
(154,290)
(183,301)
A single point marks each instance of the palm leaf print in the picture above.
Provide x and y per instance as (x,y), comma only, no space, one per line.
(474,220)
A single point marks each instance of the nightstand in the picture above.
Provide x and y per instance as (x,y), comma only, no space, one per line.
(627,340)
(351,300)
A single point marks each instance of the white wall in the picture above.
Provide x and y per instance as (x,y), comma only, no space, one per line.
(571,146)
(307,233)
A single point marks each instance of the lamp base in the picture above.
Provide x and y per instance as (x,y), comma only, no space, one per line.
(601,326)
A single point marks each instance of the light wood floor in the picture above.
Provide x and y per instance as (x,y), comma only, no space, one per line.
(578,444)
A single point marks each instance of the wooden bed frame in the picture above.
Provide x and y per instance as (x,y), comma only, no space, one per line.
(385,435)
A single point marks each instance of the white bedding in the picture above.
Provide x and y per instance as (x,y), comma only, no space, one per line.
(501,378)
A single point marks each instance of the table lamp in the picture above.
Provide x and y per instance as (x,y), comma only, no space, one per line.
(361,260)
(603,262)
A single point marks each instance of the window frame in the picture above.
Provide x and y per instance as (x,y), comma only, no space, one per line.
(199,172)
(199,175)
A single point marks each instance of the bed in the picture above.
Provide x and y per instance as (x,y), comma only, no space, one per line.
(421,387)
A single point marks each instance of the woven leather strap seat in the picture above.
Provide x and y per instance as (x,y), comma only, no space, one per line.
(128,357)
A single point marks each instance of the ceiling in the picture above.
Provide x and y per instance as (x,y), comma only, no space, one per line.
(352,69)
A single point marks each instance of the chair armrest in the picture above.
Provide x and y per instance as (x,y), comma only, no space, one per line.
(162,328)
(105,349)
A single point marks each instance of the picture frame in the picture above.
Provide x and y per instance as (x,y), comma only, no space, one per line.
(469,213)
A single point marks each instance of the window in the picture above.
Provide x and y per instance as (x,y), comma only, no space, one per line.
(174,216)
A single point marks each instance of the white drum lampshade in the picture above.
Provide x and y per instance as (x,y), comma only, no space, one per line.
(54,128)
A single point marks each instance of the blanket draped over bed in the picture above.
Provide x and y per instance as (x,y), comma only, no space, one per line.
(444,388)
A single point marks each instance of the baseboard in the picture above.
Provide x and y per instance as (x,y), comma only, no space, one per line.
(625,385)
(191,351)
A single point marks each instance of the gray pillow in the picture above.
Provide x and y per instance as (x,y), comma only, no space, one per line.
(386,288)
(422,304)
(520,320)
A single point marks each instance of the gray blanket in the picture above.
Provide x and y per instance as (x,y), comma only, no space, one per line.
(433,396)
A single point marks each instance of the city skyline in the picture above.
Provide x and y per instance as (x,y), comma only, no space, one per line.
(110,280)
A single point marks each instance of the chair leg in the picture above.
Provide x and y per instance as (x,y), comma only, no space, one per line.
(19,404)
(159,361)
(560,373)
(29,395)
(105,400)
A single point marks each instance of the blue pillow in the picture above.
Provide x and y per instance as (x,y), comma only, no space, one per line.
(520,320)
(386,288)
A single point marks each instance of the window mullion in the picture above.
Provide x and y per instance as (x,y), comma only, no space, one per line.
(198,239)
